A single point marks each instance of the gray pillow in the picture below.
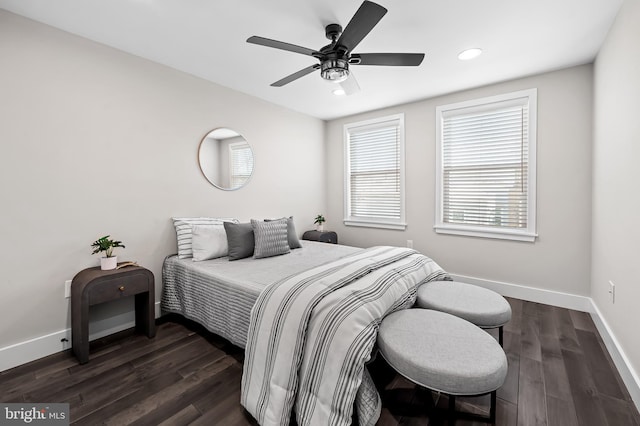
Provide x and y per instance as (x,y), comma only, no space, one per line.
(292,235)
(239,239)
(270,238)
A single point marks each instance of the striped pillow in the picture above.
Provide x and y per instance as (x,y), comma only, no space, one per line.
(294,242)
(184,231)
(271,238)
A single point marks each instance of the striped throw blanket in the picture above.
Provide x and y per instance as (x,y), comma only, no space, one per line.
(311,334)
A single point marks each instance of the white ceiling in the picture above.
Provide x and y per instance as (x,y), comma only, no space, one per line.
(207,38)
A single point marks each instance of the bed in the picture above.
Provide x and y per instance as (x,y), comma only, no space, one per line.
(308,321)
(219,294)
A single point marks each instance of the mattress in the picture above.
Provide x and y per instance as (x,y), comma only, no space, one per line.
(219,294)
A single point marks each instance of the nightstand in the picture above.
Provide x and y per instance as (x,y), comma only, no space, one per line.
(93,286)
(321,236)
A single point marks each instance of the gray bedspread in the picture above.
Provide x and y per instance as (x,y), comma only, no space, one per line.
(312,334)
(219,294)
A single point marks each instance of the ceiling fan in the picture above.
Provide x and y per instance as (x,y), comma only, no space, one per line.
(336,57)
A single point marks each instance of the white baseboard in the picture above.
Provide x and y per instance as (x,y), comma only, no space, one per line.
(577,303)
(39,347)
(531,294)
(620,359)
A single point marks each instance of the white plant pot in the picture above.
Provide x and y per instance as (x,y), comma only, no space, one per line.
(108,263)
(320,228)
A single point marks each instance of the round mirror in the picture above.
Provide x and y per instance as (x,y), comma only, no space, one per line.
(226,159)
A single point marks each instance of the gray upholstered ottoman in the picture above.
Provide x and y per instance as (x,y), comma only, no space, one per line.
(481,306)
(443,353)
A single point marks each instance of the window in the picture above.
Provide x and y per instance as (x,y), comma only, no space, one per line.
(241,161)
(374,173)
(485,167)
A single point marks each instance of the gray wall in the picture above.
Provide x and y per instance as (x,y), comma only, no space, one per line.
(560,259)
(94,141)
(616,175)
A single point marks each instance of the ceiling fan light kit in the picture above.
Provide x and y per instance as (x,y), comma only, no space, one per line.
(335,58)
(334,70)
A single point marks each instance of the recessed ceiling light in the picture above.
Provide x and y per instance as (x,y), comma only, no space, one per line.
(338,92)
(465,55)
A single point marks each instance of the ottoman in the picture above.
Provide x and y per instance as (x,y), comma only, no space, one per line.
(478,305)
(443,353)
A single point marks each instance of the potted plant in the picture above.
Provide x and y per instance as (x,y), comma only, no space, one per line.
(106,245)
(320,220)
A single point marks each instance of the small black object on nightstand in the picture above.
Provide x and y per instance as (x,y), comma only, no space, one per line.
(323,237)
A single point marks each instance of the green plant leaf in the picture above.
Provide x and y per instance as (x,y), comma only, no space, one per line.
(106,245)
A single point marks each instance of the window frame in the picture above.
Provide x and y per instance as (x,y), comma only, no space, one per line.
(528,234)
(375,222)
(232,148)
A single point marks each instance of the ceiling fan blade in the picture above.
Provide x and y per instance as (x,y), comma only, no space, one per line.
(296,75)
(367,16)
(350,85)
(390,59)
(281,45)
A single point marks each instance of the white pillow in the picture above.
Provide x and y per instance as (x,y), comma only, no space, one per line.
(183,227)
(208,242)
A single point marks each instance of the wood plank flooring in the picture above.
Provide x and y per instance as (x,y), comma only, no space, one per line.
(559,374)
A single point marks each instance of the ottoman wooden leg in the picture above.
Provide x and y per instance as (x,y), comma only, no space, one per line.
(452,410)
(492,410)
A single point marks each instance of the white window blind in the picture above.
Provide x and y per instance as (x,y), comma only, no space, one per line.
(375,175)
(241,164)
(486,167)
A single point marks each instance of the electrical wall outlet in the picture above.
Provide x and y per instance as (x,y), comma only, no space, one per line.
(612,292)
(410,243)
(67,289)
(66,340)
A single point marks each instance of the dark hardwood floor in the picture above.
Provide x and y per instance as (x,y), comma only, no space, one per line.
(559,374)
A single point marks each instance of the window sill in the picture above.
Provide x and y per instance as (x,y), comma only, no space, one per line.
(376,224)
(500,234)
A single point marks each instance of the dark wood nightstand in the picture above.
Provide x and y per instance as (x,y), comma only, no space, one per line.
(321,236)
(93,286)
